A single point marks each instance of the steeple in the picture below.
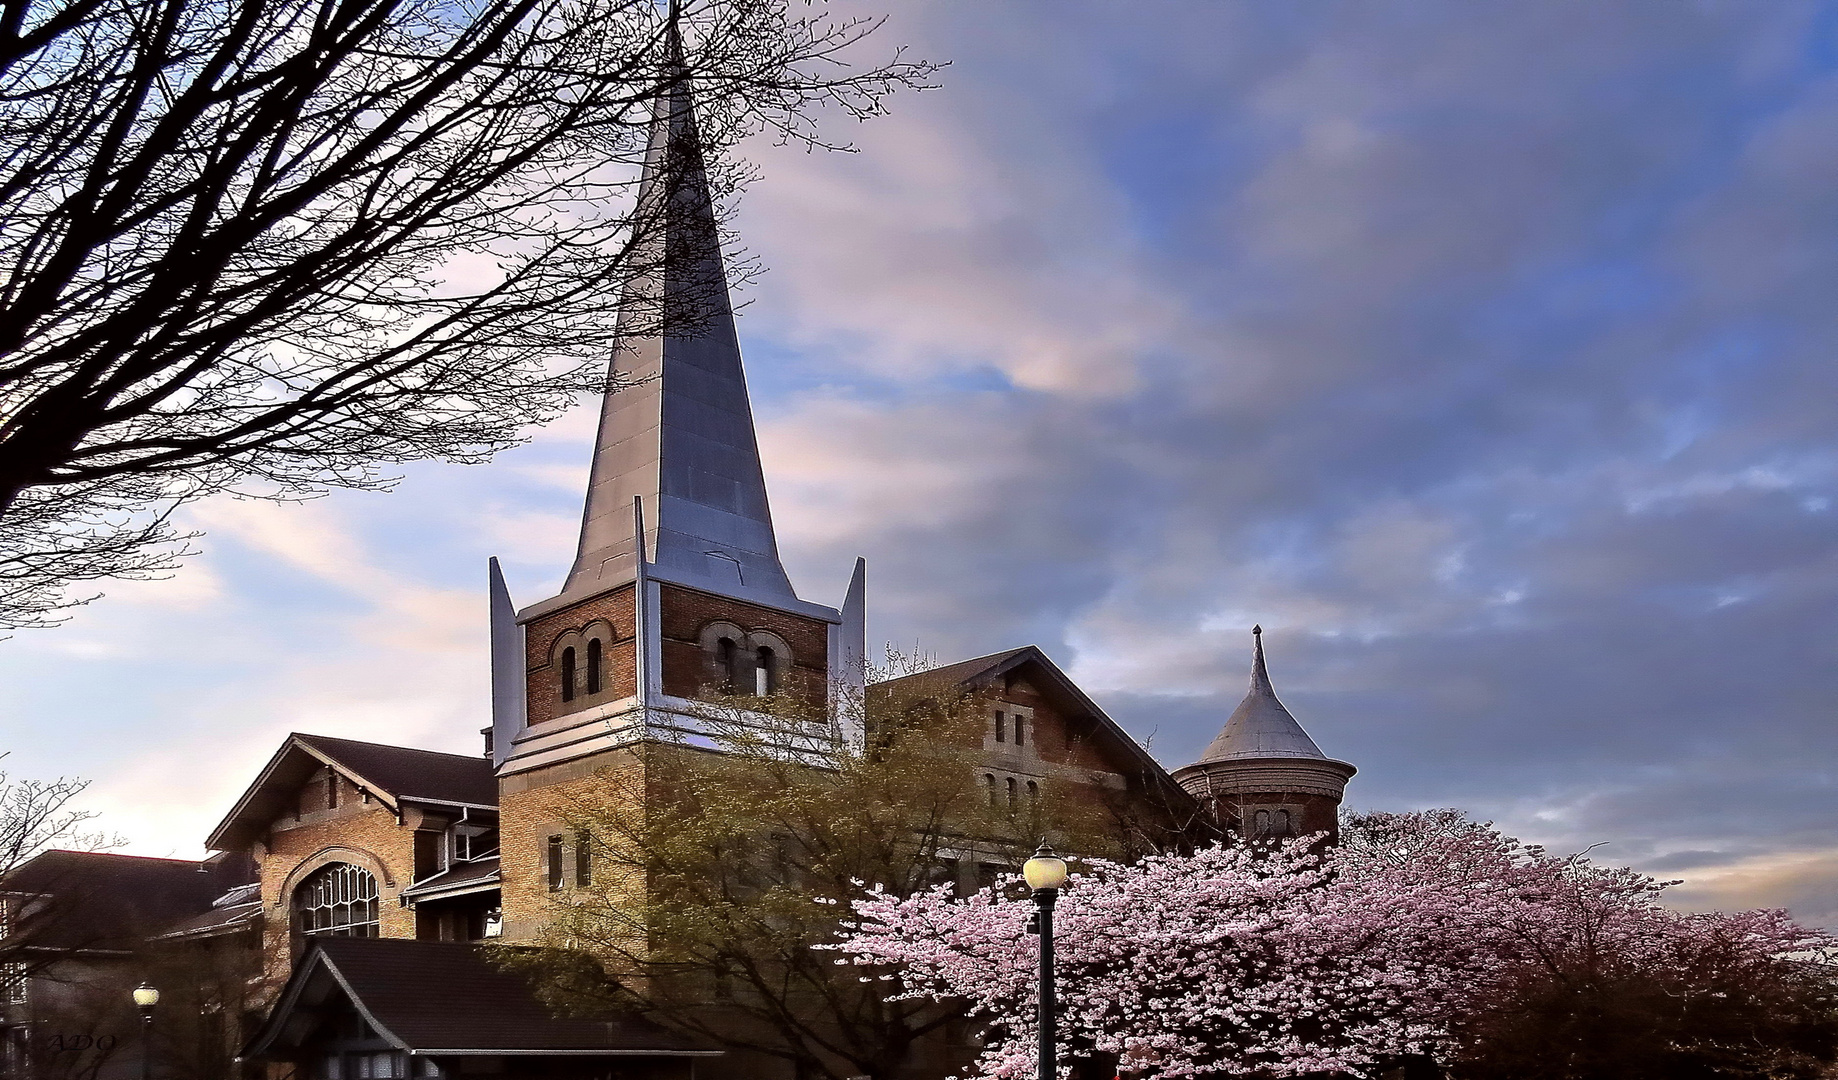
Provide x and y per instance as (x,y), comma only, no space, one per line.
(680,434)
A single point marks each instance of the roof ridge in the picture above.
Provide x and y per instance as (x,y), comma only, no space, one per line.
(992,659)
(124,855)
(384,746)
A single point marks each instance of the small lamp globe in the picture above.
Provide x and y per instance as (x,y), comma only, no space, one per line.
(146,996)
(1045,870)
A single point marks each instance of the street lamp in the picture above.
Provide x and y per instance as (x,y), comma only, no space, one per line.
(1045,873)
(145,998)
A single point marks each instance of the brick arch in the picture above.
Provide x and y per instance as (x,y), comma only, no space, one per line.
(326,856)
(781,655)
(708,639)
(577,637)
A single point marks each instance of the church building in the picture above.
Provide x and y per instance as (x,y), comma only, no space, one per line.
(378,864)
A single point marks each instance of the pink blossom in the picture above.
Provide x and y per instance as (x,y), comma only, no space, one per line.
(1278,963)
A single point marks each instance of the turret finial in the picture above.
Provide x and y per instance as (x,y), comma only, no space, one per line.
(1260,676)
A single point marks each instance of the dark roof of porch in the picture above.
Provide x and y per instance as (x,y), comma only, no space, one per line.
(437,997)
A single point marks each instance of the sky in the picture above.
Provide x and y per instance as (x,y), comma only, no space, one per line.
(1481,353)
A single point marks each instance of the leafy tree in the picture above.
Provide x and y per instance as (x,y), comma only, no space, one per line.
(717,870)
(272,246)
(1424,936)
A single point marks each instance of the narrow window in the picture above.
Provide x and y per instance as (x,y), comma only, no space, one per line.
(12,983)
(1260,823)
(583,860)
(1033,795)
(331,791)
(1001,735)
(990,783)
(568,674)
(1018,719)
(765,673)
(555,863)
(593,665)
(1013,799)
(730,661)
(1280,825)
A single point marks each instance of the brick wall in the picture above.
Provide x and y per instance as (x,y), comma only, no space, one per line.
(1317,813)
(362,833)
(544,639)
(538,804)
(686,670)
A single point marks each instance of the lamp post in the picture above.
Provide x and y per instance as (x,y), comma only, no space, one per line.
(145,998)
(1045,873)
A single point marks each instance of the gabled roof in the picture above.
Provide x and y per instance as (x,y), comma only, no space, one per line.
(413,775)
(1047,677)
(439,997)
(1260,727)
(101,902)
(392,774)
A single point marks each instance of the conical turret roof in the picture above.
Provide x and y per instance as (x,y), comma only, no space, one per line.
(1260,727)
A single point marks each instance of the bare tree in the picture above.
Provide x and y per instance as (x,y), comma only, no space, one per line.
(35,816)
(272,246)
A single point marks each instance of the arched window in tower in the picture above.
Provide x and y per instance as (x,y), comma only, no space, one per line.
(593,665)
(1014,798)
(989,783)
(568,674)
(1033,796)
(730,664)
(339,900)
(765,671)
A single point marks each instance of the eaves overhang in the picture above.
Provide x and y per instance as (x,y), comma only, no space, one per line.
(262,802)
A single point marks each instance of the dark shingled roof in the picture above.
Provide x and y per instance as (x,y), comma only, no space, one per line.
(962,672)
(216,922)
(435,997)
(396,774)
(97,900)
(407,773)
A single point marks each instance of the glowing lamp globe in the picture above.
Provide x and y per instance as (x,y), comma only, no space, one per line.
(146,996)
(1045,870)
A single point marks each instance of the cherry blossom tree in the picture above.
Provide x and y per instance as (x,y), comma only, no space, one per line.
(1284,962)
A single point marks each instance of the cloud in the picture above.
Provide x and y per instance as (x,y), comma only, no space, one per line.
(1479,362)
(1481,354)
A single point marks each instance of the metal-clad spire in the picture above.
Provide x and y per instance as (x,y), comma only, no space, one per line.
(1260,727)
(680,435)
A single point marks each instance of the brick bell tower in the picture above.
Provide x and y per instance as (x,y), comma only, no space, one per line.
(676,586)
(1262,776)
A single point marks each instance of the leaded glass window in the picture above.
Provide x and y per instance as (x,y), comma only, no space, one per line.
(340,900)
